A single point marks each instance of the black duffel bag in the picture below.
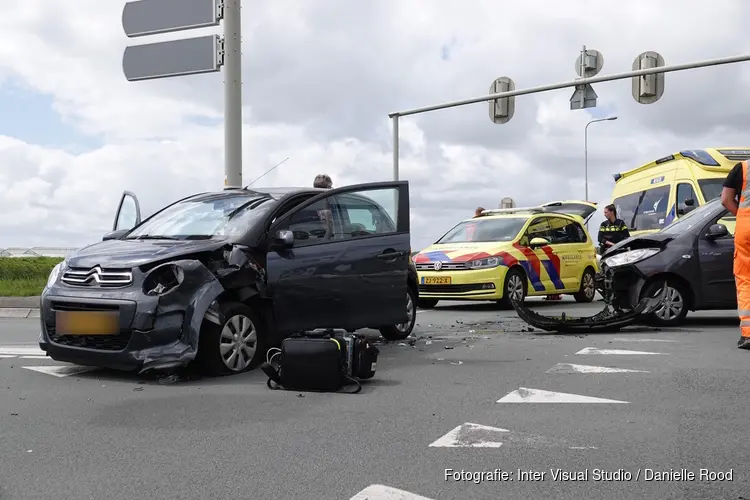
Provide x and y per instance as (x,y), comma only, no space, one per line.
(321,362)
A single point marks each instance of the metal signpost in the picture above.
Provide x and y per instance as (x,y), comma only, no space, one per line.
(189,56)
(648,87)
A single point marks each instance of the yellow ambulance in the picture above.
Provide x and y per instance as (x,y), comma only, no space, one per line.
(650,197)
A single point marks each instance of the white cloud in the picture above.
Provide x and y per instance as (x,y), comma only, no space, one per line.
(319,80)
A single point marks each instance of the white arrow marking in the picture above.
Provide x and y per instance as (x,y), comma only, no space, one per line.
(524,395)
(380,492)
(594,350)
(571,368)
(470,435)
(59,371)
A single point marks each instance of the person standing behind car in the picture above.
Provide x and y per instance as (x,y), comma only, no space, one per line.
(323,181)
(612,230)
(735,197)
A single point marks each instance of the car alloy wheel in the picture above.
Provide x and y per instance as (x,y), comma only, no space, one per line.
(589,288)
(410,311)
(673,305)
(238,342)
(515,288)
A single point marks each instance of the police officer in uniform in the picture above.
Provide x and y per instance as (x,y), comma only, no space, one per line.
(612,230)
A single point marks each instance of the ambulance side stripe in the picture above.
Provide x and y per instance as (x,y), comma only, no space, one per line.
(553,268)
(533,267)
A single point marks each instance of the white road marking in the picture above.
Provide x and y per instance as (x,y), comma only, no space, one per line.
(594,350)
(21,351)
(380,492)
(5,356)
(524,395)
(470,435)
(60,371)
(643,340)
(571,368)
(35,357)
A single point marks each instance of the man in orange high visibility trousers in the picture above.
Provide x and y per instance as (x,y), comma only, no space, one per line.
(735,196)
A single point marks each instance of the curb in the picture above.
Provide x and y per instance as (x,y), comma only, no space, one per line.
(19,307)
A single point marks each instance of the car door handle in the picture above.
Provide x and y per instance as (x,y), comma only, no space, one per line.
(389,255)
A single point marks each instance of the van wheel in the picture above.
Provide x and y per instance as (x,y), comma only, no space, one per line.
(675,307)
(426,303)
(588,287)
(235,346)
(515,286)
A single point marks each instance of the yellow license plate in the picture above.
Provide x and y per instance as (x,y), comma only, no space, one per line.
(87,323)
(437,281)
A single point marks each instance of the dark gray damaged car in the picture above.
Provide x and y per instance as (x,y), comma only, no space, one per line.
(217,278)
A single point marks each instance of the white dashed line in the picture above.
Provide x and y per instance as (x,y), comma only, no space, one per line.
(381,492)
(571,368)
(623,352)
(470,435)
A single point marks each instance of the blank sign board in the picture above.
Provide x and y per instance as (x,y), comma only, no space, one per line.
(189,56)
(148,17)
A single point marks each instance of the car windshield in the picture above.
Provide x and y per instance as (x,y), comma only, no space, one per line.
(484,230)
(689,220)
(711,188)
(205,217)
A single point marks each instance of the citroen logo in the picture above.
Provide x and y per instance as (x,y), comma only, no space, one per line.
(438,266)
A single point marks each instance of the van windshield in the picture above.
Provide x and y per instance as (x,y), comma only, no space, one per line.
(644,210)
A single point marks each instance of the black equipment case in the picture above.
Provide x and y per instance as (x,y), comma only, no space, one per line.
(321,362)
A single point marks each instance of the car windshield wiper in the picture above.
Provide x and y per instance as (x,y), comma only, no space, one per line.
(152,237)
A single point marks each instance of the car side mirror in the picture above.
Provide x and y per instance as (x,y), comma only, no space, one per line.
(717,231)
(115,235)
(538,242)
(283,239)
(690,202)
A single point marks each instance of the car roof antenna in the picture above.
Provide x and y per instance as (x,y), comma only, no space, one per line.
(266,172)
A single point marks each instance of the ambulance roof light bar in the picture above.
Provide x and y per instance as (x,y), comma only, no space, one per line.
(492,211)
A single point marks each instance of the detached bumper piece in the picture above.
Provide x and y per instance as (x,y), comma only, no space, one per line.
(607,320)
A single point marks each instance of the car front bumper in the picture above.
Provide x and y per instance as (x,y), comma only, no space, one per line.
(154,331)
(469,284)
(623,284)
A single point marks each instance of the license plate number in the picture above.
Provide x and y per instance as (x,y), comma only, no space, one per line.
(437,281)
(87,322)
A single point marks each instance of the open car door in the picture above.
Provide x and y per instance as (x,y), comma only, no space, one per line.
(128,213)
(582,209)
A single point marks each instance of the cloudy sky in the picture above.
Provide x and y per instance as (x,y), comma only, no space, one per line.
(321,76)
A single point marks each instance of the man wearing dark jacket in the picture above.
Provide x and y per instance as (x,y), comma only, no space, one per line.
(612,230)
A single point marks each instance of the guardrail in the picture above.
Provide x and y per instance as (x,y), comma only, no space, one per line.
(35,251)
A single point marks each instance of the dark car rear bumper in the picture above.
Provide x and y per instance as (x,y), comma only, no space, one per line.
(154,331)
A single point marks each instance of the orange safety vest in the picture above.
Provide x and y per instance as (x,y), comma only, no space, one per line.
(742,253)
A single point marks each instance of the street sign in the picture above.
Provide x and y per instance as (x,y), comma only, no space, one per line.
(188,56)
(591,64)
(647,89)
(583,97)
(501,110)
(149,17)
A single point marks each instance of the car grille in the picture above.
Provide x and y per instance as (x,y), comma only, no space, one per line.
(455,288)
(100,342)
(98,277)
(444,266)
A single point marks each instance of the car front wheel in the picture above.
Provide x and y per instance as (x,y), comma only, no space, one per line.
(675,307)
(236,345)
(588,287)
(400,332)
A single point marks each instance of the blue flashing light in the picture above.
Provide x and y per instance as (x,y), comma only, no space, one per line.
(700,156)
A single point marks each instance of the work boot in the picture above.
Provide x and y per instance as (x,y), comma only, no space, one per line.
(743,343)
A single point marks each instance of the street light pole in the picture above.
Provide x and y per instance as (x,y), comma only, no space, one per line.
(586,151)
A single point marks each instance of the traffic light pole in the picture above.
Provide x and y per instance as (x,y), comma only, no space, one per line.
(232,94)
(545,88)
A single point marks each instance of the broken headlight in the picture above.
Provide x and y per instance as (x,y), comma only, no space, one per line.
(487,263)
(630,257)
(163,279)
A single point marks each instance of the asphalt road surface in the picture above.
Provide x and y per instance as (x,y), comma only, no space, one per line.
(473,392)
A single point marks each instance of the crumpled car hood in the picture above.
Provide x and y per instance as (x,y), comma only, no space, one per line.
(134,253)
(652,240)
